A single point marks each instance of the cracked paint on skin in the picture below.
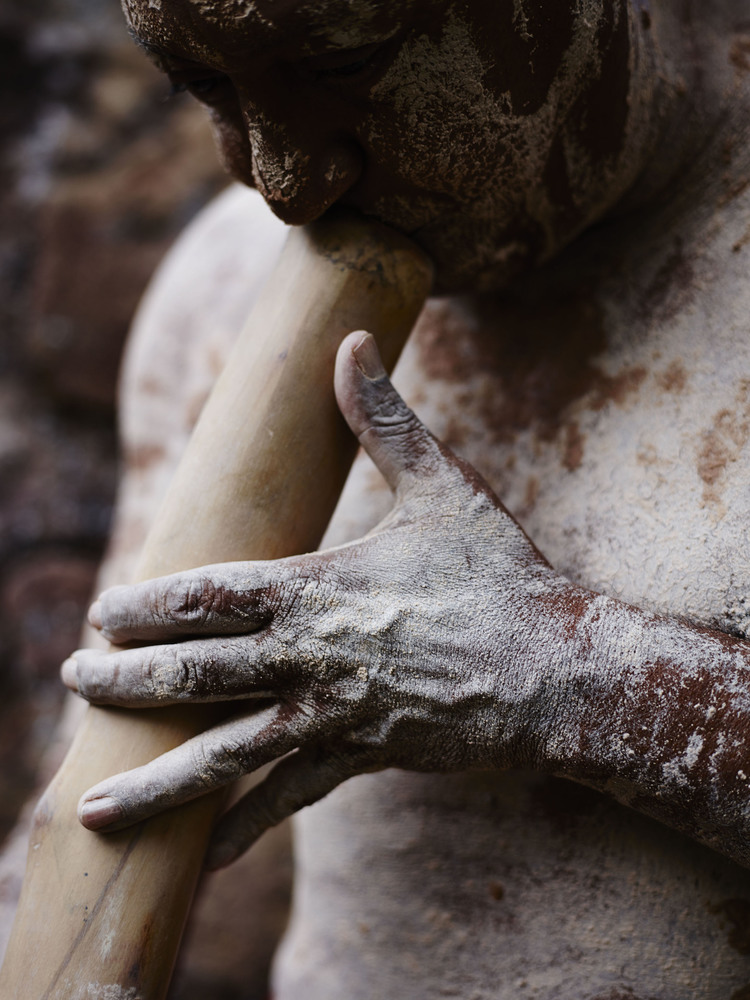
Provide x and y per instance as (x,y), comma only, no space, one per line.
(588,886)
(510,143)
(473,135)
(262,12)
(511,134)
(598,879)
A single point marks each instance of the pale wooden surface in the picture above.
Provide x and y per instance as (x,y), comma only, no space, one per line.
(101,916)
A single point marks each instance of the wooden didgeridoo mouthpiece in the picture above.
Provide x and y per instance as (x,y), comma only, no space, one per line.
(101,915)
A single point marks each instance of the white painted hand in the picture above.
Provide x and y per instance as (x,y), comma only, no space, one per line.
(417,646)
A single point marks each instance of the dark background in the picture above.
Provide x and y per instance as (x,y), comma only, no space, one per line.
(99,170)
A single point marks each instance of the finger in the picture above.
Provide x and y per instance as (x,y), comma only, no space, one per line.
(295,782)
(199,670)
(203,764)
(225,599)
(392,435)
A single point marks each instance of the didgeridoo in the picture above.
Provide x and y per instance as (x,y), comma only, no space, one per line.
(101,915)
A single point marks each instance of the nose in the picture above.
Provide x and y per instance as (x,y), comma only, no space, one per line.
(301,171)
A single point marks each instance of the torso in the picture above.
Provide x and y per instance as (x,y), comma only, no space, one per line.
(612,416)
(613,419)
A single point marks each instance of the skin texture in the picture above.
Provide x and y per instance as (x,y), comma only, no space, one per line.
(472,675)
(605,398)
(555,114)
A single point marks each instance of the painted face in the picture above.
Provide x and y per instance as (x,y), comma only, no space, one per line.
(490,130)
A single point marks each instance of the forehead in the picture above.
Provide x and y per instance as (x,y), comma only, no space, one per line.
(219,26)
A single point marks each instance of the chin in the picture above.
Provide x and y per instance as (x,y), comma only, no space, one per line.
(462,267)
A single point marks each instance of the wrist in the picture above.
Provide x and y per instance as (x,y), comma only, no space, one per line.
(540,681)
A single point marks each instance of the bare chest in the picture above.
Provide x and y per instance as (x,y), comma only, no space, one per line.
(625,455)
(622,444)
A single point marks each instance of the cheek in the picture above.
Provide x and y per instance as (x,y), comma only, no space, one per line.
(526,46)
(433,122)
(448,123)
(451,159)
(462,168)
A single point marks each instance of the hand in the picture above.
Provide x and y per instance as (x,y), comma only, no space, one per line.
(416,646)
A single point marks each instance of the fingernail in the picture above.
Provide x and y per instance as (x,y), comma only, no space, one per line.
(367,356)
(69,673)
(95,614)
(97,813)
(219,856)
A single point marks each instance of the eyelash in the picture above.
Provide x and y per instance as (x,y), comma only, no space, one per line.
(345,71)
(203,88)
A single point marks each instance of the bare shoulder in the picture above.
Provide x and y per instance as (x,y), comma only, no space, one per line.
(195,306)
(196,303)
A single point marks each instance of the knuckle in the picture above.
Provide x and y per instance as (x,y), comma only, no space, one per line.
(219,763)
(95,677)
(301,598)
(168,672)
(148,676)
(302,593)
(191,603)
(270,809)
(391,415)
(402,433)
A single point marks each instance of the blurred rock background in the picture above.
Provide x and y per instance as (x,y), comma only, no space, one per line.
(99,171)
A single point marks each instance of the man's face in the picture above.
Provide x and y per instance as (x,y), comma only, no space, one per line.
(479,127)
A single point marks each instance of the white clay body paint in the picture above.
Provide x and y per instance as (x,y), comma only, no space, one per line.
(587,886)
(438,89)
(608,405)
(487,872)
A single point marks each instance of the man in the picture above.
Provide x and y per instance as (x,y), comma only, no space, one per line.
(579,175)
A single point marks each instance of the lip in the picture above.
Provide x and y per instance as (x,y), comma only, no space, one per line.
(412,234)
(428,225)
(381,198)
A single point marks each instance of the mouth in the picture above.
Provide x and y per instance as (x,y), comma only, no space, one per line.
(410,213)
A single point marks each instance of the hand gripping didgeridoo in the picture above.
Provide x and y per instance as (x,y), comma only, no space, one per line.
(101,915)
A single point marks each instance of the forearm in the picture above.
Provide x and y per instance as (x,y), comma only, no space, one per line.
(440,641)
(657,713)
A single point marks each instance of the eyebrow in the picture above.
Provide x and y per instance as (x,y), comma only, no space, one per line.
(162,55)
(147,47)
(155,52)
(140,42)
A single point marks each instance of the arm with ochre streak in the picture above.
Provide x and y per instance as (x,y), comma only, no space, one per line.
(441,641)
(657,713)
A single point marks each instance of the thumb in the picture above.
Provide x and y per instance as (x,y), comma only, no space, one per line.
(392,435)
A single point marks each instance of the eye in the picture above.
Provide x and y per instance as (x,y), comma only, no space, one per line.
(341,65)
(208,88)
